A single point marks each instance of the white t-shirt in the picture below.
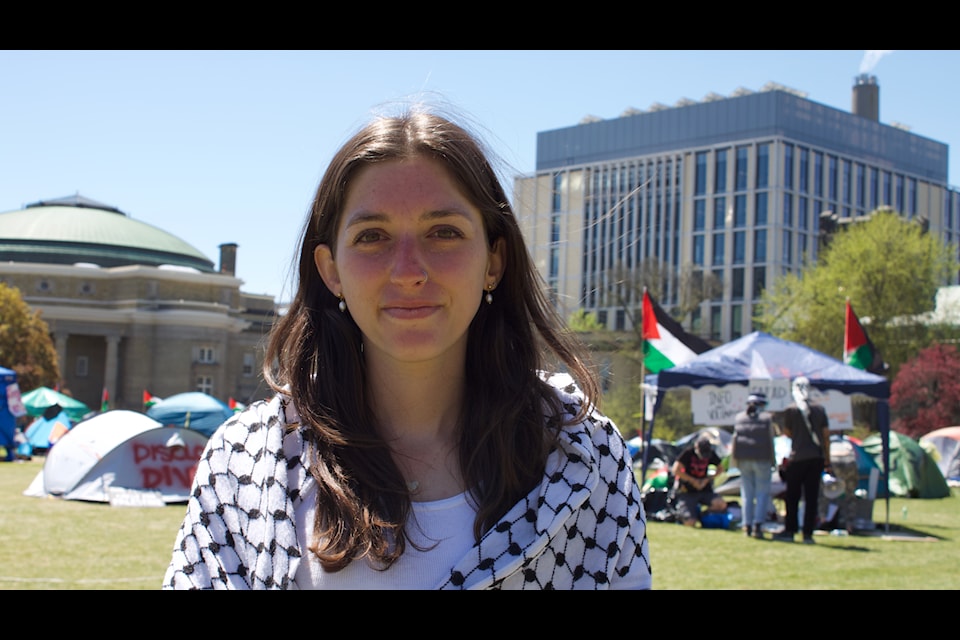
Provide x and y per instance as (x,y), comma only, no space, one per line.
(449,522)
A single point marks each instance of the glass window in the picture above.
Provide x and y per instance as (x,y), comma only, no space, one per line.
(832,178)
(874,188)
(803,205)
(736,322)
(718,246)
(804,170)
(736,284)
(818,174)
(761,212)
(719,212)
(720,178)
(740,211)
(698,249)
(861,185)
(741,168)
(205,385)
(739,247)
(716,318)
(249,361)
(700,180)
(787,210)
(847,182)
(760,245)
(557,184)
(787,256)
(763,165)
(759,282)
(699,214)
(887,189)
(82,369)
(788,166)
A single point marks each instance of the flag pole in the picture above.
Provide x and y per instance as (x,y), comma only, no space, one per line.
(643,402)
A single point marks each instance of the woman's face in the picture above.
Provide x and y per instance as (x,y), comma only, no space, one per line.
(412,260)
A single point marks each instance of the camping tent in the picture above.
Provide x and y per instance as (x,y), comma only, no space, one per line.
(759,356)
(38,400)
(46,430)
(193,410)
(120,451)
(946,443)
(913,472)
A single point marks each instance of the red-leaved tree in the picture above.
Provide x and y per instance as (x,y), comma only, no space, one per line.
(925,395)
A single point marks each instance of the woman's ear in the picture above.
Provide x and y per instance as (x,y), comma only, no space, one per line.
(327,268)
(496,262)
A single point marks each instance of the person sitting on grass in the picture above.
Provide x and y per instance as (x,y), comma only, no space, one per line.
(694,483)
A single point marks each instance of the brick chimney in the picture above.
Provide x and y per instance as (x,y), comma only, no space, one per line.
(228,258)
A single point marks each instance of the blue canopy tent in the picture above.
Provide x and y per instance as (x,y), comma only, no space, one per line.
(760,356)
(193,409)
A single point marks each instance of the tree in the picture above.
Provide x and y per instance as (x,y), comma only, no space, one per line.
(926,392)
(582,320)
(25,342)
(889,267)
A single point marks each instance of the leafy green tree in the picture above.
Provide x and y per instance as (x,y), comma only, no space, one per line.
(926,392)
(25,342)
(584,321)
(889,267)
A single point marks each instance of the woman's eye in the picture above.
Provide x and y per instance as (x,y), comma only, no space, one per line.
(368,235)
(448,233)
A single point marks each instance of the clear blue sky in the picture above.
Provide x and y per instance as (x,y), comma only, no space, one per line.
(227,146)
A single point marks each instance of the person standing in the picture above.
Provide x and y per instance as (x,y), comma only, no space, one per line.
(807,426)
(752,452)
(416,439)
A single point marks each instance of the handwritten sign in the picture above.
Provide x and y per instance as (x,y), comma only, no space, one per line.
(718,405)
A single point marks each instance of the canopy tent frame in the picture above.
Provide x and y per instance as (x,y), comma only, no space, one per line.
(761,356)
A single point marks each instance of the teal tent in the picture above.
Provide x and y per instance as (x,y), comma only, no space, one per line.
(40,399)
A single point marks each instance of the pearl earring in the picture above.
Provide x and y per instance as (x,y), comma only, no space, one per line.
(343,304)
(489,296)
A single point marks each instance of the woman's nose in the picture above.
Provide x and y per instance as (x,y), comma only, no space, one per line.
(408,265)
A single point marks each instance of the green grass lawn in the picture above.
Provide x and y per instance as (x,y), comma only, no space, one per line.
(57,544)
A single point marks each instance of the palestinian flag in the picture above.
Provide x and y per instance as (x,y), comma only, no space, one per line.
(665,343)
(858,350)
(148,400)
(105,401)
(234,405)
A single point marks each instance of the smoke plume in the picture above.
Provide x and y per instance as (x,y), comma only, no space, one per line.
(870,60)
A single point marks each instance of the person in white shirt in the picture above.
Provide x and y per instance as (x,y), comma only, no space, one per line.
(416,439)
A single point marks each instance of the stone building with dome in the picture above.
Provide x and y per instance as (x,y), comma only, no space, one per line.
(133,308)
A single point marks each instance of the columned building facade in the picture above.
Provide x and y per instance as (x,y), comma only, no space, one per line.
(132,308)
(732,189)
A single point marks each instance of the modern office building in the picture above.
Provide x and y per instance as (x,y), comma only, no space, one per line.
(132,308)
(729,188)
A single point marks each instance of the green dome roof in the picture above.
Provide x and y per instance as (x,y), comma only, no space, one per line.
(76,229)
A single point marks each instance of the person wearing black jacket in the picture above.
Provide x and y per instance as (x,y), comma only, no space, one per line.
(807,425)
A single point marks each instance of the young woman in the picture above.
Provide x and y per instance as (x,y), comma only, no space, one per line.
(415,440)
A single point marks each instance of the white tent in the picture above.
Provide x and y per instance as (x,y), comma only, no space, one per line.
(118,453)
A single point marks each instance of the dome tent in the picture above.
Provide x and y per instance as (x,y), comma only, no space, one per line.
(193,410)
(120,451)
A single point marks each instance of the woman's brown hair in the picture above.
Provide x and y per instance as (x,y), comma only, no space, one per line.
(314,355)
